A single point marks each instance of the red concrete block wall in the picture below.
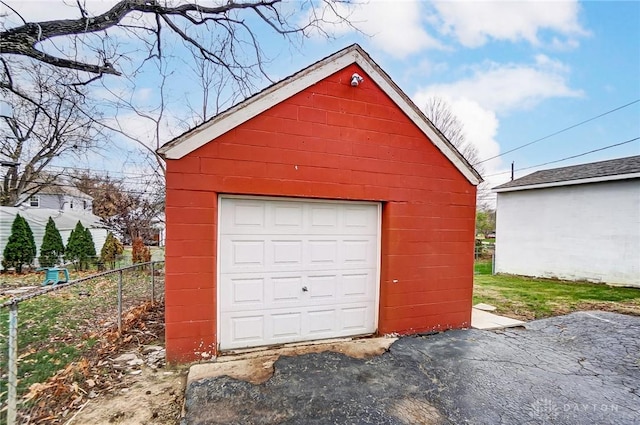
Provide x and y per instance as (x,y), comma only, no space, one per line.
(331,141)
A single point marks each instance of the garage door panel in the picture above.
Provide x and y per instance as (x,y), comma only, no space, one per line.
(286,325)
(321,321)
(322,287)
(287,252)
(358,252)
(356,285)
(285,289)
(311,253)
(355,318)
(360,220)
(241,254)
(323,219)
(288,217)
(244,216)
(296,270)
(283,325)
(247,329)
(247,291)
(323,252)
(247,253)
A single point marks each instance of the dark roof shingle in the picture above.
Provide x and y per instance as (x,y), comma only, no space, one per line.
(613,167)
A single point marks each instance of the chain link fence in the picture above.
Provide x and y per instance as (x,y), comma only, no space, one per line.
(43,331)
(484,257)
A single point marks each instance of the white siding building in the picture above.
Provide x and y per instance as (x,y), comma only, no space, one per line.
(576,223)
(60,196)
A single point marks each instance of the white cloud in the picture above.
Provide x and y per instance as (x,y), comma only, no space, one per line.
(475,23)
(480,125)
(562,45)
(397,28)
(425,68)
(478,101)
(502,88)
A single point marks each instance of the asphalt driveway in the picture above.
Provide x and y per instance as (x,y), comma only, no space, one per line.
(581,368)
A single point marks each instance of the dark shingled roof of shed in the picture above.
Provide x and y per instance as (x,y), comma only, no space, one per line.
(613,167)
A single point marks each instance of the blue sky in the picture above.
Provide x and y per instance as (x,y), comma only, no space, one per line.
(512,72)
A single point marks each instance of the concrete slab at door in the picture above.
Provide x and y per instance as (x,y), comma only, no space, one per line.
(293,270)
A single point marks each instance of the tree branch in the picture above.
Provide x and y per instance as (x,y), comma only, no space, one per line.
(24,40)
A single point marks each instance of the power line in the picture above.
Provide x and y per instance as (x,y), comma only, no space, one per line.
(558,132)
(97,171)
(569,157)
(95,189)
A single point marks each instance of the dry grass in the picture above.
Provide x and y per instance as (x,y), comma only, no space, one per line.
(528,298)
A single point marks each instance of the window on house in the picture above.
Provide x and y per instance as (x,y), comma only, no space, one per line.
(84,205)
(71,204)
(34,201)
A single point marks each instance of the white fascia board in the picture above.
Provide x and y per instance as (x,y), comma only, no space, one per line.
(570,182)
(280,92)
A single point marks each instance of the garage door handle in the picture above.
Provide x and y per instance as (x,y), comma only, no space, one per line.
(304,289)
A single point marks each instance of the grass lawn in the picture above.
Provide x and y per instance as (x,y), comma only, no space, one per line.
(529,298)
(483,267)
(60,327)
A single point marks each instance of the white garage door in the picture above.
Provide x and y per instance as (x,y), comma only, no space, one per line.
(296,270)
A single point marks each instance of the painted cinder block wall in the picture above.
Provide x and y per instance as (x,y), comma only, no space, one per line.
(330,141)
(575,232)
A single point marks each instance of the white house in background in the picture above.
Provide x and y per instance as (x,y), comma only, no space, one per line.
(576,223)
(65,222)
(60,196)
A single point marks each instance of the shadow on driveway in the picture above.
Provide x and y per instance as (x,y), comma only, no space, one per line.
(576,369)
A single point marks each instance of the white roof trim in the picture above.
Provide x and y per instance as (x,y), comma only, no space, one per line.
(570,182)
(244,111)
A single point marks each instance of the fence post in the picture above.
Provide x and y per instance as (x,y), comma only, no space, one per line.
(13,364)
(120,302)
(153,283)
(493,263)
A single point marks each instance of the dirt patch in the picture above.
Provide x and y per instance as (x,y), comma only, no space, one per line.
(153,397)
(416,412)
(256,367)
(629,307)
(255,371)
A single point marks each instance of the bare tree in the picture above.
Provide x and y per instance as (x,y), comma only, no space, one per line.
(148,114)
(230,39)
(214,89)
(135,37)
(51,122)
(127,212)
(440,114)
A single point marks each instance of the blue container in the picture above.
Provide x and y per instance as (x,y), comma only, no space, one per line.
(54,276)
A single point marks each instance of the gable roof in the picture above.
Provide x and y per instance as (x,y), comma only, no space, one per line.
(593,172)
(282,90)
(49,184)
(63,188)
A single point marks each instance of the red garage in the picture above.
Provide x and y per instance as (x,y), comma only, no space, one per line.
(325,206)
